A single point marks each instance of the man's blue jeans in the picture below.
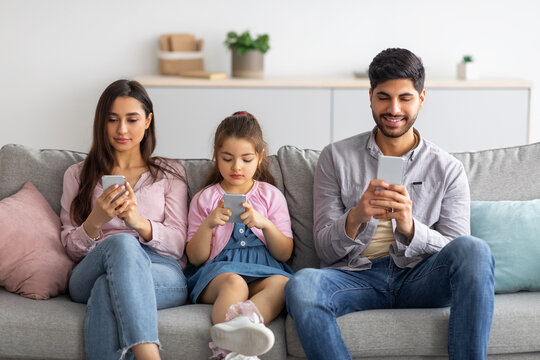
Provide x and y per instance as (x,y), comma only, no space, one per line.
(459,276)
(124,283)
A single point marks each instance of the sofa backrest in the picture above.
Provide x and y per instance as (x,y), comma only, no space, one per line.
(297,167)
(499,174)
(43,168)
(503,174)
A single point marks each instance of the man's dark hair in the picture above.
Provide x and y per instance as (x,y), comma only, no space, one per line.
(395,63)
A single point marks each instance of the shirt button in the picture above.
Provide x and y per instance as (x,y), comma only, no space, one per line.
(243,243)
(241,231)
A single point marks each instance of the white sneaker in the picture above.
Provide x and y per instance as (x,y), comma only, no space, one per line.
(235,356)
(243,336)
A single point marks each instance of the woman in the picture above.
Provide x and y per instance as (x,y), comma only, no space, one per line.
(129,240)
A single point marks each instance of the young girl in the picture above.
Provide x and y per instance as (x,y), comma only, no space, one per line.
(130,249)
(241,267)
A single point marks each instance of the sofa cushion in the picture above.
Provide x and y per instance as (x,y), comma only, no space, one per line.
(33,262)
(298,167)
(53,329)
(512,231)
(503,174)
(44,168)
(50,329)
(424,332)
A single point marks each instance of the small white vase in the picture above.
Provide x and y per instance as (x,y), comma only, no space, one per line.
(467,71)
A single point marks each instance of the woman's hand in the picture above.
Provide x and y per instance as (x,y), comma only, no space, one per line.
(105,209)
(129,209)
(129,212)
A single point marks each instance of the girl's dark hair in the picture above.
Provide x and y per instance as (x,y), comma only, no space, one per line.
(241,125)
(395,63)
(100,159)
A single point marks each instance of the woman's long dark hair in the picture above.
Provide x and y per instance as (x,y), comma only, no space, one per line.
(100,159)
(241,125)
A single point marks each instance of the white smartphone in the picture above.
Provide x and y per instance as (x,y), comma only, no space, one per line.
(391,169)
(110,180)
(234,202)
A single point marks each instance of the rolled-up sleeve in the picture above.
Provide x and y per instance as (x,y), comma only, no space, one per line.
(453,221)
(169,235)
(330,215)
(74,238)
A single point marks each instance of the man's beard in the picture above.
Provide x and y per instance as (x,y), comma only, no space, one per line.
(409,122)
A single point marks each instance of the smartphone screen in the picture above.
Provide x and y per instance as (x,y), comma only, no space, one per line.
(391,169)
(110,180)
(234,202)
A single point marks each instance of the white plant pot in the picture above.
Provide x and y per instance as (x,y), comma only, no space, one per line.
(467,71)
(248,65)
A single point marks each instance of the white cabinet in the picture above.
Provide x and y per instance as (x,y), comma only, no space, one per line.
(456,119)
(351,113)
(310,113)
(475,119)
(186,118)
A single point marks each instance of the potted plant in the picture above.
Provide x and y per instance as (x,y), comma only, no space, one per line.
(247,53)
(467,68)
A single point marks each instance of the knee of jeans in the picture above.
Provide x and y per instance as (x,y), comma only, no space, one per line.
(301,291)
(473,251)
(99,295)
(124,245)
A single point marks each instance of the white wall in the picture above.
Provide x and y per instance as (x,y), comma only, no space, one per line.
(57,56)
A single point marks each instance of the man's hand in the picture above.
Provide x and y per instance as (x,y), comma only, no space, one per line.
(364,210)
(391,202)
(397,202)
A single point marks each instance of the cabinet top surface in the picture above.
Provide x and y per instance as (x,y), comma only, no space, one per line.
(319,82)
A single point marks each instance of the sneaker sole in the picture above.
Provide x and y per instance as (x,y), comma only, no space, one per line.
(249,341)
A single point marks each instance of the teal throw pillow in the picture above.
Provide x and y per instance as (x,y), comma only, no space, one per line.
(512,231)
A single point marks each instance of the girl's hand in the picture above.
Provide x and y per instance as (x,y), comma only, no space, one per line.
(105,209)
(279,245)
(199,246)
(219,216)
(252,218)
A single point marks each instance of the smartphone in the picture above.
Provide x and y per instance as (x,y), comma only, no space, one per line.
(110,180)
(391,169)
(234,202)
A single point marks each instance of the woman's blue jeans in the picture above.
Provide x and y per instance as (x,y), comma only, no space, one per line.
(459,276)
(124,283)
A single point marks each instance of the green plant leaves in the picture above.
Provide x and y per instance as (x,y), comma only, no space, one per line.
(244,42)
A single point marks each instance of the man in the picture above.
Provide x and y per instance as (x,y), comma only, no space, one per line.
(393,246)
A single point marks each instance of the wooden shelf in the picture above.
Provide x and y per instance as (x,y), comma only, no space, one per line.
(321,82)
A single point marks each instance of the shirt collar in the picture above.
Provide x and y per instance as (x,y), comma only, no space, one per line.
(374,150)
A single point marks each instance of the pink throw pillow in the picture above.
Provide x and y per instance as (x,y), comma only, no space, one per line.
(33,262)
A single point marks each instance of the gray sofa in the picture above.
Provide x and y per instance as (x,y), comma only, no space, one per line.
(53,329)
